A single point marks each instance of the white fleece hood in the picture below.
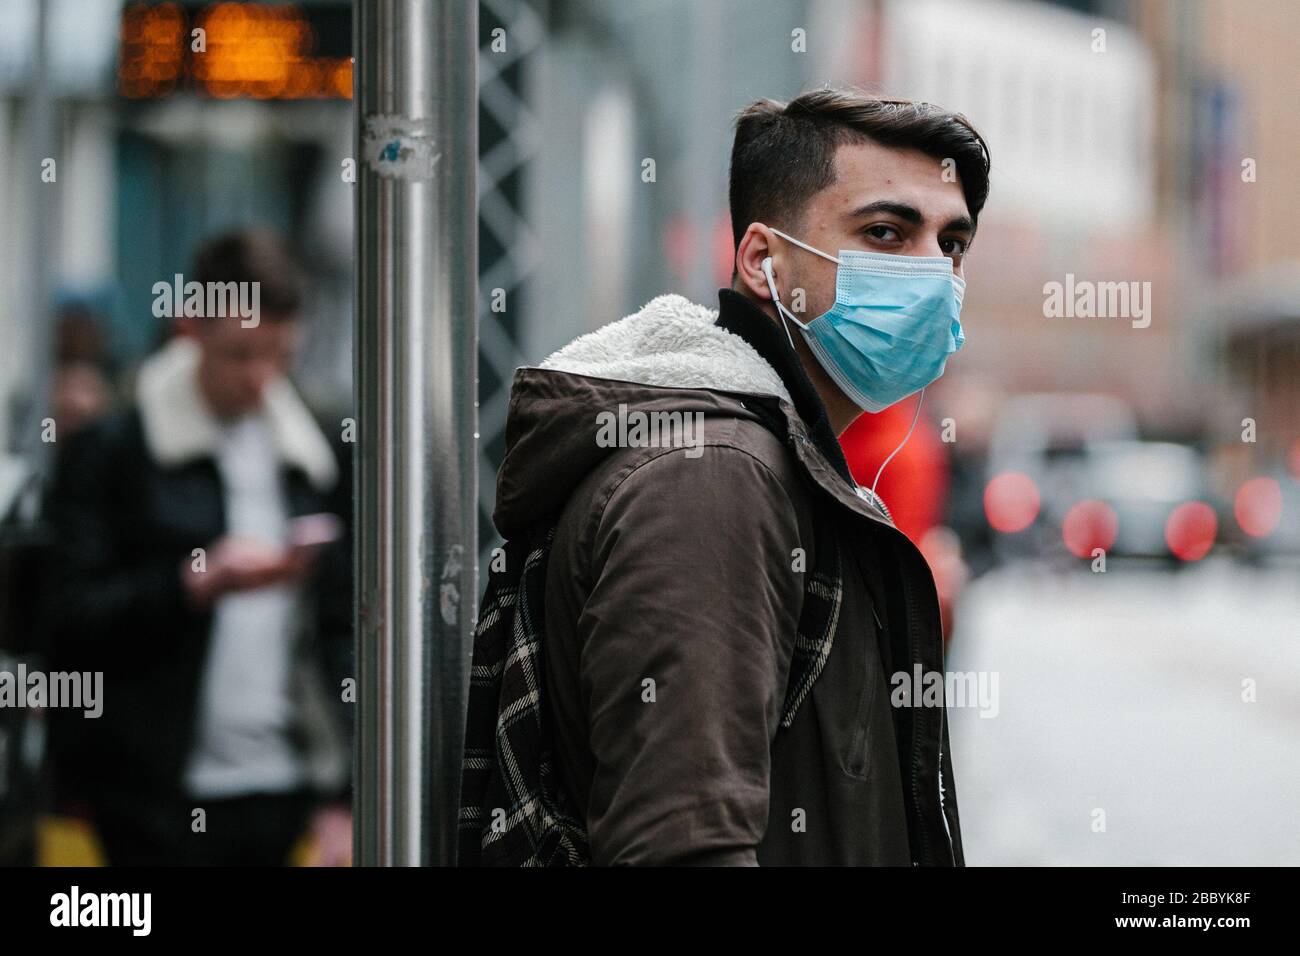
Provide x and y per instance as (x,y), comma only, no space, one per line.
(667,357)
(178,425)
(671,343)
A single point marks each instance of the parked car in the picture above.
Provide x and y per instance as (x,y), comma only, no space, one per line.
(1270,505)
(1159,496)
(1038,457)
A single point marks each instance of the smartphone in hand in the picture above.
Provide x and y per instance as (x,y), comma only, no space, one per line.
(308,534)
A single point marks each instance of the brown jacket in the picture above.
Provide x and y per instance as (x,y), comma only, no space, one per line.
(674,590)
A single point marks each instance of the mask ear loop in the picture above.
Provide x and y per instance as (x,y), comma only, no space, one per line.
(771,284)
(804,245)
(915,417)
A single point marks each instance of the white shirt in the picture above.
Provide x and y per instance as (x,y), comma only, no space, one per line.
(242,743)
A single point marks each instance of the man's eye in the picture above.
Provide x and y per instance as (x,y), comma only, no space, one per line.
(882,232)
(953,246)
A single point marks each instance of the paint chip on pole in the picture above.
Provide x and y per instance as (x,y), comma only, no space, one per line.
(398,148)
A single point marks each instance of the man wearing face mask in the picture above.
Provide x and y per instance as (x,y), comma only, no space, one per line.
(713,638)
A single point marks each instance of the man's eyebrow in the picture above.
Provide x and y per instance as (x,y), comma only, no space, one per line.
(911,214)
(900,209)
(960,224)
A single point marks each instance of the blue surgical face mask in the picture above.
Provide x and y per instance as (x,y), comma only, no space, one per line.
(894,323)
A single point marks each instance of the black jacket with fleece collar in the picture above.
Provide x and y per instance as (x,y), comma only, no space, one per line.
(132,497)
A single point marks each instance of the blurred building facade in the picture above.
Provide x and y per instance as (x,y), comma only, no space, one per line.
(1118,131)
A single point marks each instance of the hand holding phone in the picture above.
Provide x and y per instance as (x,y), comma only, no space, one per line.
(308,534)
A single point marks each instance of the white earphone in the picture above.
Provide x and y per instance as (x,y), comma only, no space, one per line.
(767,271)
(766,266)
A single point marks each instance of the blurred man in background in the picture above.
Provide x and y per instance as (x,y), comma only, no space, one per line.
(185,571)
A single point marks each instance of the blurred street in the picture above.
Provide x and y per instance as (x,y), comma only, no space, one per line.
(1123,691)
(1129,390)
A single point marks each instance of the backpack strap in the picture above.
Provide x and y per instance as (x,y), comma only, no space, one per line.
(823,588)
(513,810)
(823,596)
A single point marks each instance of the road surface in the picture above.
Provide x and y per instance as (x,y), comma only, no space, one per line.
(1122,693)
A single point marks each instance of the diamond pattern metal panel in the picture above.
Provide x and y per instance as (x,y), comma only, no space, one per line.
(508,138)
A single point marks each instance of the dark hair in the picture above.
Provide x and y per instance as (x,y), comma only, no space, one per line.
(783,155)
(253,255)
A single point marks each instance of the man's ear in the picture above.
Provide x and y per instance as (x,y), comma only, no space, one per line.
(755,246)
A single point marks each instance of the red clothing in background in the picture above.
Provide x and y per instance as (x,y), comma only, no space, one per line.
(915,485)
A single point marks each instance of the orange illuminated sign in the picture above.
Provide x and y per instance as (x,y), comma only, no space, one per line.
(226,50)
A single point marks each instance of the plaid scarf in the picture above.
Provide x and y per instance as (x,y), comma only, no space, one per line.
(513,810)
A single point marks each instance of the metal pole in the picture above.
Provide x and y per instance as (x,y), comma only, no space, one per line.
(416,382)
(41,142)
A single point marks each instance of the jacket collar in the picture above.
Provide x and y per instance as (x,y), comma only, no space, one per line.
(178,426)
(742,317)
(670,342)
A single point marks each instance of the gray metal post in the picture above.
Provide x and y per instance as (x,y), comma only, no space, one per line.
(416,382)
(40,136)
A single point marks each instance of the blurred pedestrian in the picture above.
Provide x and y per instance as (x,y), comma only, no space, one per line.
(194,567)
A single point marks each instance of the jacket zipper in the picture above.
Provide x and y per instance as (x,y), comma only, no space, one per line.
(876,502)
(943,814)
(914,658)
